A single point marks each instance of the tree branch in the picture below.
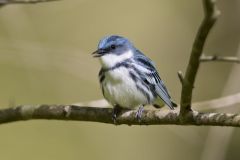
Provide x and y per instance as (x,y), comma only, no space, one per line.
(103,115)
(211,13)
(4,2)
(215,58)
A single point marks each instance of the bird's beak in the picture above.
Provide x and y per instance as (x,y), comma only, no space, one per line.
(99,53)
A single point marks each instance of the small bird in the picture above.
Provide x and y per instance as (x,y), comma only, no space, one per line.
(128,78)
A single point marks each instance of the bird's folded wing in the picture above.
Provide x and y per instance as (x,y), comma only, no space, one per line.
(150,74)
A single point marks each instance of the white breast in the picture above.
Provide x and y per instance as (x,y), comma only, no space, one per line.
(110,60)
(120,89)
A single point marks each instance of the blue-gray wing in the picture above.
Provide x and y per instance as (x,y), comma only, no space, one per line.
(150,75)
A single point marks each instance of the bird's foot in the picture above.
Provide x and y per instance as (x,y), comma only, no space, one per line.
(116,111)
(139,113)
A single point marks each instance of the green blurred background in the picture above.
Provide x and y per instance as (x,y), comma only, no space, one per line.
(45,58)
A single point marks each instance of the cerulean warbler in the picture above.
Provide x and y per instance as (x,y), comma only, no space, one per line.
(128,78)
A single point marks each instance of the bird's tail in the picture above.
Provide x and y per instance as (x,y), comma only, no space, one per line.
(174,104)
(159,103)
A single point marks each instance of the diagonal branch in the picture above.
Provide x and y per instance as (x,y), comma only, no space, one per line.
(211,14)
(223,102)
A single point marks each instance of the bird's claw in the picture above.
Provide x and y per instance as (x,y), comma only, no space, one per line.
(115,112)
(139,113)
(114,118)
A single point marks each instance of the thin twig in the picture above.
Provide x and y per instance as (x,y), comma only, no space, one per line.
(211,14)
(215,58)
(180,76)
(4,2)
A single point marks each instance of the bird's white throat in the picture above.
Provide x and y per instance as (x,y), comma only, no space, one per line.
(110,60)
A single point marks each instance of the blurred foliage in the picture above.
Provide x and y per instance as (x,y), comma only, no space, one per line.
(45,58)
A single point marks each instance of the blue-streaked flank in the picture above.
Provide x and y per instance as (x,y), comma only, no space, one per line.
(128,78)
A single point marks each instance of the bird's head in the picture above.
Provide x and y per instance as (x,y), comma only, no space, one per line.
(113,49)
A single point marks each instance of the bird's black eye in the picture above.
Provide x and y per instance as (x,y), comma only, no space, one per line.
(113,46)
